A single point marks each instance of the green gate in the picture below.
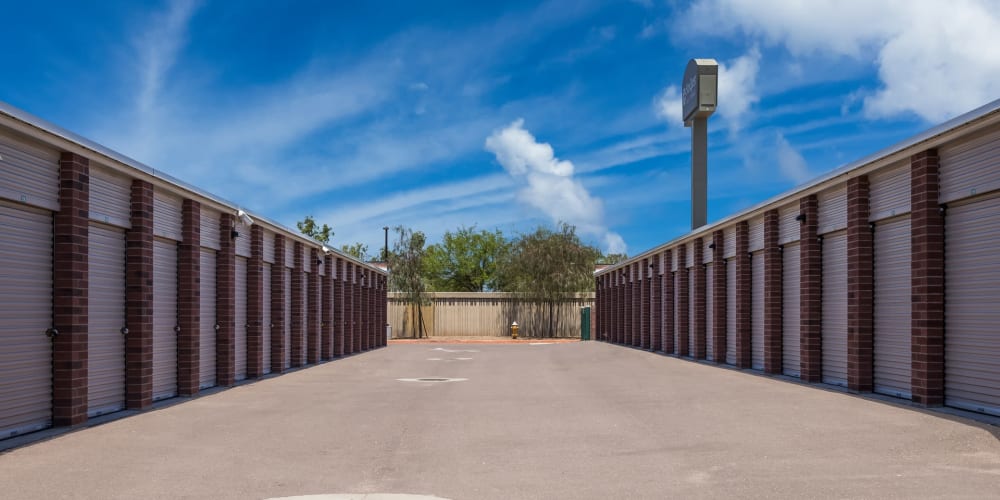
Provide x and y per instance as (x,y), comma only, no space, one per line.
(585,323)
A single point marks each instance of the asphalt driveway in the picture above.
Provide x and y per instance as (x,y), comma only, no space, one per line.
(574,420)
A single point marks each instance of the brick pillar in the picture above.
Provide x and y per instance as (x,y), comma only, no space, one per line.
(372,312)
(860,288)
(624,322)
(298,301)
(139,299)
(669,319)
(278,306)
(358,308)
(811,292)
(348,308)
(772,294)
(699,332)
(608,305)
(927,276)
(366,326)
(313,308)
(255,304)
(70,270)
(338,308)
(598,297)
(683,296)
(326,324)
(385,306)
(627,276)
(225,303)
(744,354)
(656,306)
(644,309)
(719,311)
(189,300)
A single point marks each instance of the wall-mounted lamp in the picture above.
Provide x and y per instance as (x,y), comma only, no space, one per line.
(319,262)
(234,234)
(711,245)
(942,209)
(801,218)
(326,250)
(871,226)
(244,218)
(819,239)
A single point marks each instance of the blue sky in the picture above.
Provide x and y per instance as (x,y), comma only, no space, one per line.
(501,115)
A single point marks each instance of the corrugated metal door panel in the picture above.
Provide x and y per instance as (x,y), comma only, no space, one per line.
(110,197)
(729,239)
(757,311)
(889,191)
(266,325)
(208,319)
(306,261)
(26,309)
(756,234)
(969,167)
(788,227)
(288,317)
(673,260)
(731,312)
(29,171)
(972,340)
(164,318)
(707,251)
(106,318)
(167,221)
(243,241)
(790,317)
(691,334)
(892,308)
(269,246)
(832,210)
(210,228)
(834,329)
(689,256)
(289,252)
(709,341)
(241,318)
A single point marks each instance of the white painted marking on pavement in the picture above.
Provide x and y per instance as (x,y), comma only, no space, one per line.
(453,350)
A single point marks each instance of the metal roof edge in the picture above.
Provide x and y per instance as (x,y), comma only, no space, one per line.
(970,118)
(66,135)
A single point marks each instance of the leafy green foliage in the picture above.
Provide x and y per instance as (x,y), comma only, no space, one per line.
(466,260)
(357,250)
(406,263)
(310,228)
(612,258)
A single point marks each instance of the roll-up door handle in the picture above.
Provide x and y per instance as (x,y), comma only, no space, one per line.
(51,332)
(177,328)
(124,330)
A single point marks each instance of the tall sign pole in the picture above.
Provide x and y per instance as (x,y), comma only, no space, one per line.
(699,94)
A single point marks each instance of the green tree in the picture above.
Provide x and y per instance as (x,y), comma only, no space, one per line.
(549,266)
(310,228)
(612,258)
(466,260)
(357,250)
(406,271)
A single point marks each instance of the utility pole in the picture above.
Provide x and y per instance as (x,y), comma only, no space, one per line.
(385,249)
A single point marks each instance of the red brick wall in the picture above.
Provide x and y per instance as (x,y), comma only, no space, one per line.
(656,330)
(644,309)
(139,299)
(744,332)
(810,292)
(326,325)
(298,299)
(70,248)
(860,287)
(683,312)
(338,309)
(225,303)
(635,302)
(699,300)
(358,308)
(313,308)
(927,275)
(189,299)
(278,306)
(255,304)
(772,294)
(669,346)
(718,284)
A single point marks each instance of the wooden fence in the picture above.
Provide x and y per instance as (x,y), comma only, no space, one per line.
(464,314)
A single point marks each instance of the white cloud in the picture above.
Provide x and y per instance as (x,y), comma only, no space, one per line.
(791,164)
(737,92)
(548,182)
(934,59)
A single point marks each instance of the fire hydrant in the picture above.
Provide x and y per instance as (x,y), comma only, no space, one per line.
(513,330)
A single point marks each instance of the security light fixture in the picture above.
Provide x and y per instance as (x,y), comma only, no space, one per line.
(234,234)
(711,245)
(801,218)
(244,218)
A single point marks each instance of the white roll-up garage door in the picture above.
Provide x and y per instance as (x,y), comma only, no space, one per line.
(892,308)
(790,317)
(731,312)
(241,318)
(709,310)
(972,337)
(106,320)
(757,311)
(208,320)
(266,324)
(26,312)
(164,318)
(288,318)
(835,309)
